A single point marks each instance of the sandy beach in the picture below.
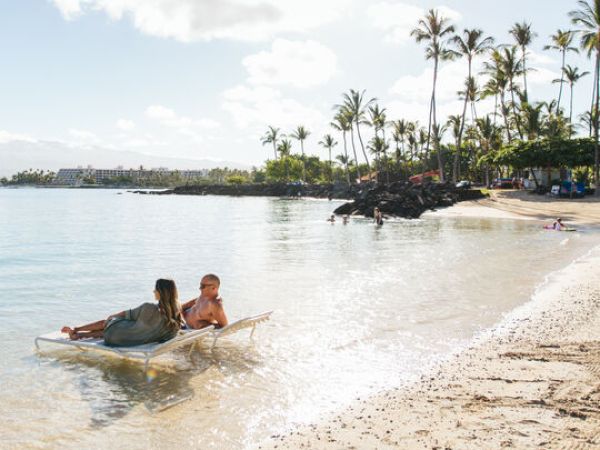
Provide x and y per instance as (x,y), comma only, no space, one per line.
(526,206)
(533,381)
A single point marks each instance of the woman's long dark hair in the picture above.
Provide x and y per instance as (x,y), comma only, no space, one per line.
(168,301)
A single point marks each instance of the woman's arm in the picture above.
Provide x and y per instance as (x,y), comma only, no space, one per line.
(119,314)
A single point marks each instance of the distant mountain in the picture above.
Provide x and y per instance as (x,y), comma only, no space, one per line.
(16,156)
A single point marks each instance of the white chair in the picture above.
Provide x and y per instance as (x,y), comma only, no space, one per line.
(143,352)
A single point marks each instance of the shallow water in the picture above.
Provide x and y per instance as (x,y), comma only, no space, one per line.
(357,309)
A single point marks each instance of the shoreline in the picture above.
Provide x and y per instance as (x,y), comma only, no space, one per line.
(522,205)
(531,381)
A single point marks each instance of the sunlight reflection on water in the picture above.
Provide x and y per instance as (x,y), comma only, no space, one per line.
(357,309)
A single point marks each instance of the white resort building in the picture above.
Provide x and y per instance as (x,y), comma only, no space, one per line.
(79,175)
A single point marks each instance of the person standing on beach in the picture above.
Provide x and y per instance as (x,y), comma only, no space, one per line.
(149,322)
(206,309)
(378,216)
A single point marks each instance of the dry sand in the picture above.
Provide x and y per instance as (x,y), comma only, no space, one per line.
(533,382)
(524,205)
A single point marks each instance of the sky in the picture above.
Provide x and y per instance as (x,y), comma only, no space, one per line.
(202,79)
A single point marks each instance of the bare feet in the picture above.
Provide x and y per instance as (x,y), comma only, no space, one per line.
(73,335)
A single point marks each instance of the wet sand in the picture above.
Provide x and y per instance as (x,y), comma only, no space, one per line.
(532,382)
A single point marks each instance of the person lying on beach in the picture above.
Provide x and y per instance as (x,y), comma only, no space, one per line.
(149,322)
(206,309)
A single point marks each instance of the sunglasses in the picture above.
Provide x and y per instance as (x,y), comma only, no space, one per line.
(202,285)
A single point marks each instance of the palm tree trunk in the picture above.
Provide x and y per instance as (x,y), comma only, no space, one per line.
(595,120)
(431,102)
(571,112)
(594,88)
(330,169)
(505,116)
(495,107)
(346,161)
(377,159)
(436,138)
(562,78)
(523,49)
(362,146)
(385,158)
(303,161)
(355,155)
(456,164)
(514,108)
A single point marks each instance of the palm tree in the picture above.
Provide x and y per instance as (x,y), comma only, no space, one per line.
(378,145)
(523,36)
(497,86)
(343,123)
(573,76)
(399,131)
(300,134)
(356,106)
(271,137)
(455,122)
(329,142)
(343,159)
(469,46)
(512,67)
(377,120)
(588,18)
(285,148)
(434,29)
(533,120)
(588,120)
(561,41)
(487,132)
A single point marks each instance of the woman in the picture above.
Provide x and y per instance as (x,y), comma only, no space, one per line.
(149,322)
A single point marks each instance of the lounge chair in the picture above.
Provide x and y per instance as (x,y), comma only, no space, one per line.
(248,322)
(144,352)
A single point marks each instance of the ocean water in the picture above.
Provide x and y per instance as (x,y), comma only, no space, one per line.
(357,308)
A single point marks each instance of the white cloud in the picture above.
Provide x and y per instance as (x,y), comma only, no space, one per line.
(143,142)
(451,78)
(159,112)
(83,137)
(169,118)
(249,108)
(295,63)
(6,136)
(257,94)
(125,124)
(398,19)
(535,58)
(70,9)
(541,76)
(204,20)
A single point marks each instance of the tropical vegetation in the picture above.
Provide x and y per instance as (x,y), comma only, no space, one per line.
(517,136)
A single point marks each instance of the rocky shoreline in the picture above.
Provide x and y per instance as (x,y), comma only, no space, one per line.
(400,199)
(405,199)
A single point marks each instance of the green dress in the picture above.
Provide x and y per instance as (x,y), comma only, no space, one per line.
(141,325)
